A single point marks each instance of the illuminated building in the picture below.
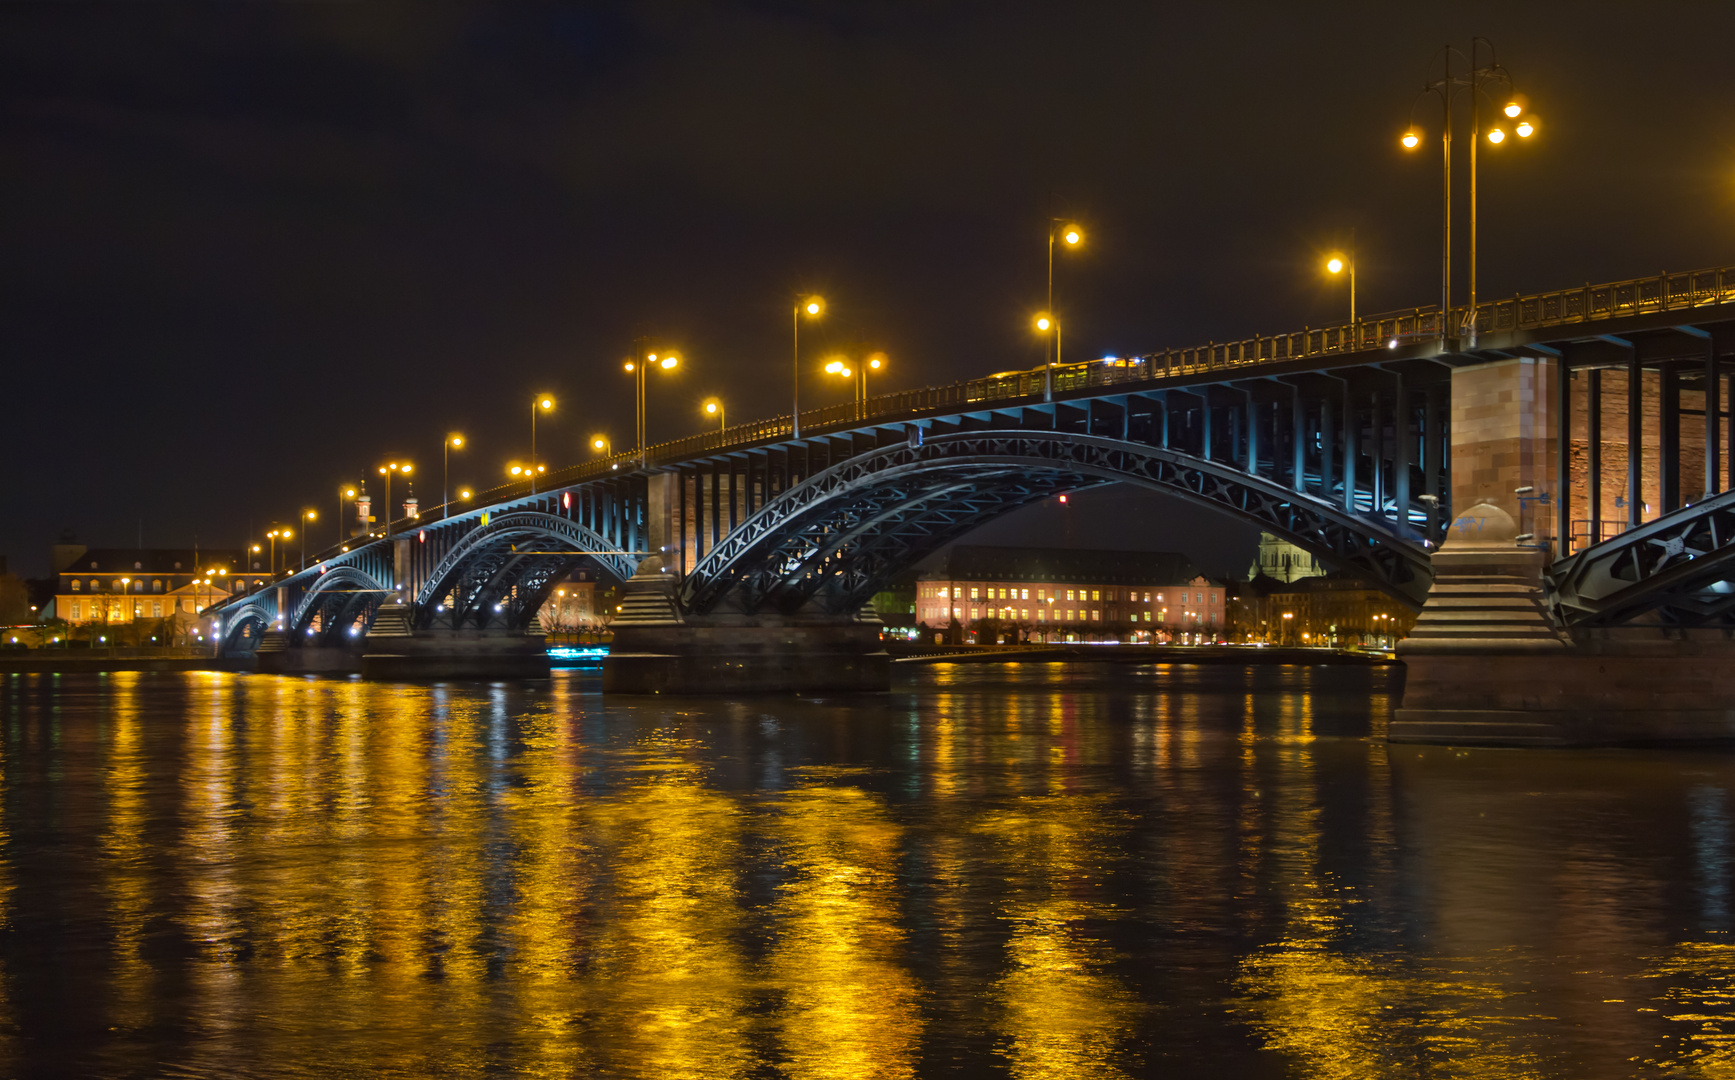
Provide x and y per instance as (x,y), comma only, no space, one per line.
(989,594)
(123,585)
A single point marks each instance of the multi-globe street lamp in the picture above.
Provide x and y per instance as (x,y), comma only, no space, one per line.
(813,307)
(275,535)
(858,375)
(1446,89)
(388,470)
(642,359)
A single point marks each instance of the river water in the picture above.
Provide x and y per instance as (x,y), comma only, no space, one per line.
(1014,871)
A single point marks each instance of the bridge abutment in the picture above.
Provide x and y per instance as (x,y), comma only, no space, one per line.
(1486,664)
(657,650)
(392,651)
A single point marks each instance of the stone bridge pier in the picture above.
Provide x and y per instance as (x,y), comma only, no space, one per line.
(660,649)
(1492,661)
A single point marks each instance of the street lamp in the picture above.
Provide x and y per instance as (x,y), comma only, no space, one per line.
(1071,236)
(813,307)
(1446,88)
(636,367)
(388,470)
(455,441)
(276,535)
(714,407)
(540,403)
(306,516)
(1339,263)
(599,444)
(347,491)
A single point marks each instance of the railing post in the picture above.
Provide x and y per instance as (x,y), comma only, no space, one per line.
(1713,407)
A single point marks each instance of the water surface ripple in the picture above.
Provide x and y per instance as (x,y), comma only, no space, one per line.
(1025,871)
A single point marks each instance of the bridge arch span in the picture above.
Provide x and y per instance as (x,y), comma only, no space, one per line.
(339,597)
(501,572)
(256,614)
(839,536)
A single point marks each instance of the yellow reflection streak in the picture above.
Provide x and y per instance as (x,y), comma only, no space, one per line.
(123,845)
(669,982)
(1062,1013)
(850,1007)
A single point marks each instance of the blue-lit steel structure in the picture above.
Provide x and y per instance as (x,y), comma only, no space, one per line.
(1337,439)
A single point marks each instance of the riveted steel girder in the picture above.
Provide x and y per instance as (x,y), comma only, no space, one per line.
(856,523)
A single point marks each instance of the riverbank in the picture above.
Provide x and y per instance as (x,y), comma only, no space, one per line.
(1130,654)
(70,661)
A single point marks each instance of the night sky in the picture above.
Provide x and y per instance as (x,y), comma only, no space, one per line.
(250,251)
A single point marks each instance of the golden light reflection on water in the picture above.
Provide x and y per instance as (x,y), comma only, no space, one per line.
(1042,876)
(851,1007)
(668,985)
(1063,1013)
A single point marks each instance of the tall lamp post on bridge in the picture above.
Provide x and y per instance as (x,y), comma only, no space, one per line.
(388,470)
(641,360)
(455,441)
(346,491)
(714,407)
(813,307)
(858,375)
(306,516)
(539,403)
(274,535)
(1339,263)
(1071,236)
(1446,88)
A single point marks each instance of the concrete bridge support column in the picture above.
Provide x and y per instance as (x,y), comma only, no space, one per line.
(1485,663)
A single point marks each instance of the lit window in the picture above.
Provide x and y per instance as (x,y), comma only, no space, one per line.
(1095,595)
(1025,615)
(75,584)
(1041,615)
(975,593)
(1068,614)
(156,609)
(157,585)
(1024,594)
(1069,596)
(1096,614)
(77,608)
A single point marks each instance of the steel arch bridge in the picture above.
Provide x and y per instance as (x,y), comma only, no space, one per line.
(1336,439)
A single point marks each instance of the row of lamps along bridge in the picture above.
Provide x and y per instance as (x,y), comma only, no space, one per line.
(1062,233)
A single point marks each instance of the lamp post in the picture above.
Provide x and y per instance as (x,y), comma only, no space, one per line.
(714,407)
(388,470)
(1340,263)
(455,441)
(812,307)
(306,516)
(1071,236)
(539,403)
(346,491)
(274,535)
(1447,88)
(599,444)
(635,367)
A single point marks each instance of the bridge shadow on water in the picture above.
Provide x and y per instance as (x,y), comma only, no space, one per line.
(1019,870)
